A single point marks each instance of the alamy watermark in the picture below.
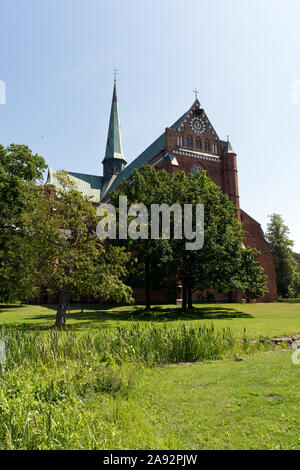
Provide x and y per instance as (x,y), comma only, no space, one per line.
(2,352)
(188,222)
(295,96)
(2,92)
(296,353)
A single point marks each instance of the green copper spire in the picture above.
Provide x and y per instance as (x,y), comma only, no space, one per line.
(114,148)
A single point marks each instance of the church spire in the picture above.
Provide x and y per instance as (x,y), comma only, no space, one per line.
(114,160)
(114,147)
(228,148)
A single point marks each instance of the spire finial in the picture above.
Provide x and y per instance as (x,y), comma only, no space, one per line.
(196,93)
(227,137)
(115,74)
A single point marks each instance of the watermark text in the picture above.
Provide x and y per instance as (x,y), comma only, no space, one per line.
(160,221)
(2,92)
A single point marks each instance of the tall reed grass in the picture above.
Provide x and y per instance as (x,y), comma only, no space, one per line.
(144,343)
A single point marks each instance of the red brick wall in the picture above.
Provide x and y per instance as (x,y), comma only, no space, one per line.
(255,239)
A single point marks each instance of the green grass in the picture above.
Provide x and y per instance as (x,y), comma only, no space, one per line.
(252,404)
(91,387)
(258,319)
(51,379)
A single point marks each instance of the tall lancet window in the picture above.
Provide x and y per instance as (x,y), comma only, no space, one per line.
(189,142)
(198,144)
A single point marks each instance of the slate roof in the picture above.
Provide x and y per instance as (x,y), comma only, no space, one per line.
(88,185)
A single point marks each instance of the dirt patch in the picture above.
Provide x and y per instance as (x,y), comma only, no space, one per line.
(273,397)
(277,351)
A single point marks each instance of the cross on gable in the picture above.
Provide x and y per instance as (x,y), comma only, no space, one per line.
(196,93)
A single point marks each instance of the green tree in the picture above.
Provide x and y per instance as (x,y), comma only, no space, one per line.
(297,283)
(249,276)
(66,255)
(277,235)
(151,261)
(223,263)
(18,166)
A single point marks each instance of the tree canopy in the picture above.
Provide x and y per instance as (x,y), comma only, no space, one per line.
(287,273)
(56,250)
(18,167)
(223,263)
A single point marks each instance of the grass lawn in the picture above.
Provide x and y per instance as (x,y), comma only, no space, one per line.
(260,319)
(57,392)
(253,404)
(223,404)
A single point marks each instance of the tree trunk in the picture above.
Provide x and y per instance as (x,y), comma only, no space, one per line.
(63,302)
(184,299)
(190,302)
(147,281)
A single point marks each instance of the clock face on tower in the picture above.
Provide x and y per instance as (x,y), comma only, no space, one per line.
(198,125)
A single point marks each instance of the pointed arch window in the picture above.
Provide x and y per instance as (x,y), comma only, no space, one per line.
(179,141)
(206,146)
(196,169)
(189,142)
(198,144)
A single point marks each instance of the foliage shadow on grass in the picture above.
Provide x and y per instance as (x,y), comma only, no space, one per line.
(157,314)
(3,307)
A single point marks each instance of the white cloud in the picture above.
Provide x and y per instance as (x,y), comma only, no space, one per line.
(84,68)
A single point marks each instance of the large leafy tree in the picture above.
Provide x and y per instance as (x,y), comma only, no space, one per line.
(287,275)
(248,276)
(223,263)
(151,262)
(65,255)
(297,282)
(18,167)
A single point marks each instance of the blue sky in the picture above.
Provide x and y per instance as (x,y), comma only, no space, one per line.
(58,57)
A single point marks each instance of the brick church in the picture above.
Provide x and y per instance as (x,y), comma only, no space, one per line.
(191,145)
